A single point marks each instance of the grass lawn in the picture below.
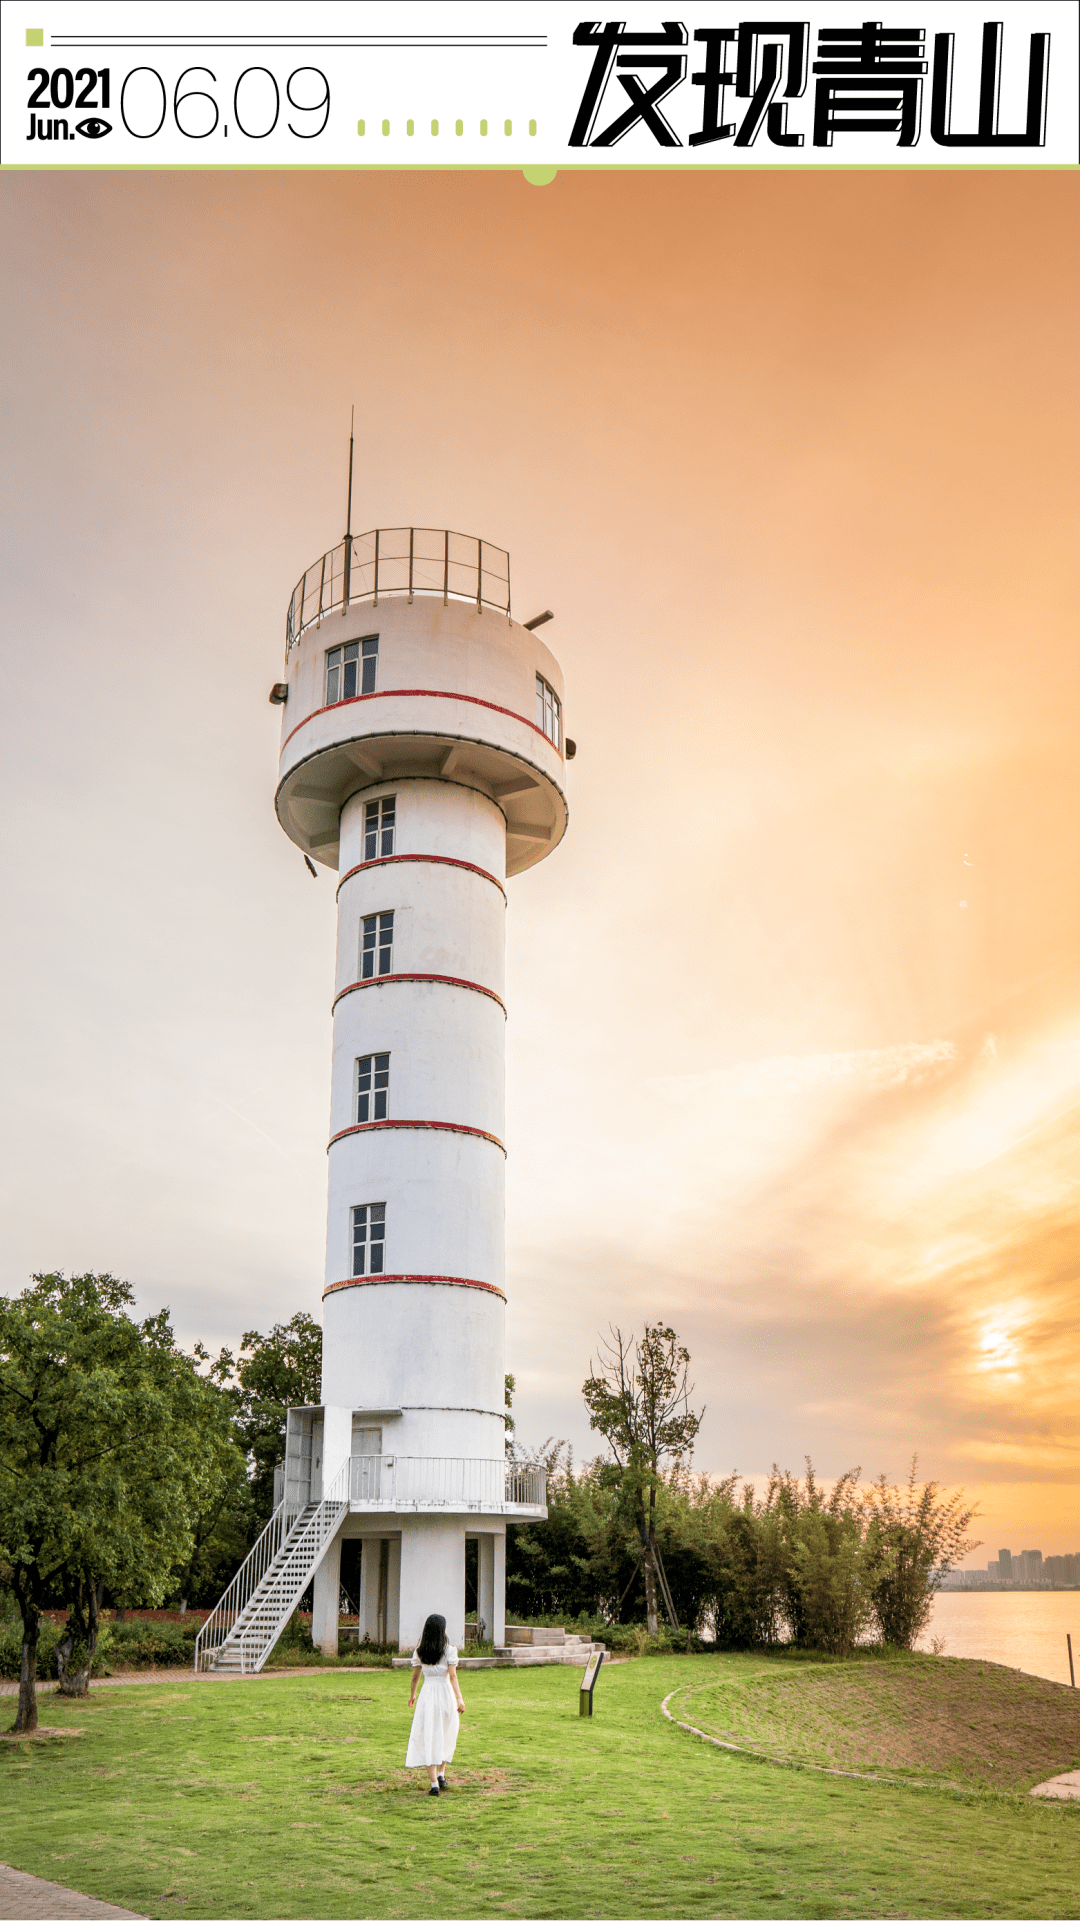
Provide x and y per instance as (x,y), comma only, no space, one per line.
(971,1723)
(286,1797)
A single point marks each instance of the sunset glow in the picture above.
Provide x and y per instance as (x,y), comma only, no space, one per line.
(794,1013)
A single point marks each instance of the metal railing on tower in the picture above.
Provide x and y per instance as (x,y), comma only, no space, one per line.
(399,562)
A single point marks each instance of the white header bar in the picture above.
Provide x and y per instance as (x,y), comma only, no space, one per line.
(538,84)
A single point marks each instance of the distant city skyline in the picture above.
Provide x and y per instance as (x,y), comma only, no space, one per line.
(1027,1569)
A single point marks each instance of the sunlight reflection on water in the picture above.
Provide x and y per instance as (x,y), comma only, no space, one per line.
(1024,1630)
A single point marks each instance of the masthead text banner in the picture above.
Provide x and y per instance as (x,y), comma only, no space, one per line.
(538,84)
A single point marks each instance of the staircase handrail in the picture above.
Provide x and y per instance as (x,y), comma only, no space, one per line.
(218,1624)
(335,1496)
(263,1594)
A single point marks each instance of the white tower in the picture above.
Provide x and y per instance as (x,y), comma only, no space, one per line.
(423,757)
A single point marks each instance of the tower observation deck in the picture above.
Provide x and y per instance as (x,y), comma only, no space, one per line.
(422,757)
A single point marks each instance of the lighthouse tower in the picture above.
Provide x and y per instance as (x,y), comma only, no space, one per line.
(423,758)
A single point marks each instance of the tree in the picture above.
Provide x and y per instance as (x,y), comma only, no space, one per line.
(110,1442)
(640,1402)
(825,1576)
(272,1373)
(222,1532)
(914,1536)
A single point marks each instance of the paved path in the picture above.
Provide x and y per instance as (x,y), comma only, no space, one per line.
(110,1680)
(24,1898)
(1061,1787)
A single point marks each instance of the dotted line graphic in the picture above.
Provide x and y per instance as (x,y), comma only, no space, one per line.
(459,128)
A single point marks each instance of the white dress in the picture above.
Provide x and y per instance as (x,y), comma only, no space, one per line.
(434,1731)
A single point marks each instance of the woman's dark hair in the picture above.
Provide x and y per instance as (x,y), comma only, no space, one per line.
(432,1645)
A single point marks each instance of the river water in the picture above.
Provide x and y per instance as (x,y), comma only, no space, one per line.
(1021,1630)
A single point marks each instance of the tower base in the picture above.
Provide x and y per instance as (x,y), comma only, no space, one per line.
(413,1565)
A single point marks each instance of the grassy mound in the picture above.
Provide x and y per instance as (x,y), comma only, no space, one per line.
(919,1716)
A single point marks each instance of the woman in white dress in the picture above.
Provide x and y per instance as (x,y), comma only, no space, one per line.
(434,1732)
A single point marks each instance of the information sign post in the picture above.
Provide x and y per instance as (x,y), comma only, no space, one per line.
(588,1682)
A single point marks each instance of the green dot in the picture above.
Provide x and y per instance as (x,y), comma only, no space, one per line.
(459,126)
(539,176)
(409,128)
(434,126)
(35,36)
(508,126)
(483,128)
(360,127)
(532,127)
(386,126)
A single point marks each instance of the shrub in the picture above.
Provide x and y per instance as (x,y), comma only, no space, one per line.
(11,1638)
(295,1636)
(148,1644)
(831,1577)
(915,1535)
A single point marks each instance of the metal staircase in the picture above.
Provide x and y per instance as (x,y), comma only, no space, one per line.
(243,1628)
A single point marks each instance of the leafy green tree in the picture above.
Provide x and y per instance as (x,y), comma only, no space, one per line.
(271,1373)
(824,1569)
(110,1443)
(741,1597)
(585,1558)
(915,1534)
(222,1532)
(640,1402)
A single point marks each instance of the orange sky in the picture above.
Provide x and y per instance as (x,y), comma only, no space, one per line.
(792,456)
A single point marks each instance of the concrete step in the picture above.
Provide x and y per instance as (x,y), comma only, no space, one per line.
(519,1636)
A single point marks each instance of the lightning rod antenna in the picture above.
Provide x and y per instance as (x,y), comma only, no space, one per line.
(347,556)
(348,511)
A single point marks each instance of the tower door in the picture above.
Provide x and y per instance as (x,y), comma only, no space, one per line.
(367,1461)
(303,1457)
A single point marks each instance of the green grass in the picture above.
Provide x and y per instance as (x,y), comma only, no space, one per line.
(911,1717)
(286,1797)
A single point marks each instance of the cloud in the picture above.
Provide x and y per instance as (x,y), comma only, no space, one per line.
(908,1064)
(853,1278)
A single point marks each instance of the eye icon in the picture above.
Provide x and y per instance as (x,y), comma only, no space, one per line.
(93,128)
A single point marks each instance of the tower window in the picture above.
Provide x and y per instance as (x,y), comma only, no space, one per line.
(350,669)
(369,1238)
(548,712)
(372,1087)
(379,821)
(377,945)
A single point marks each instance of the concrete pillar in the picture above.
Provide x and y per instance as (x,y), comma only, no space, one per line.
(432,1577)
(325,1616)
(361,1604)
(499,1612)
(485,1586)
(370,1558)
(393,1588)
